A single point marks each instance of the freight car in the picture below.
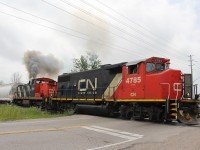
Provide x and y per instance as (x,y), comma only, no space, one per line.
(143,89)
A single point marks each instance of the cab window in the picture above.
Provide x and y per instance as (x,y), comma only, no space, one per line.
(150,67)
(133,69)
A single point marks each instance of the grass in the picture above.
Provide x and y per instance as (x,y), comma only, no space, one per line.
(12,112)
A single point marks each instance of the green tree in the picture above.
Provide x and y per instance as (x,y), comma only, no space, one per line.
(86,62)
(80,64)
(94,62)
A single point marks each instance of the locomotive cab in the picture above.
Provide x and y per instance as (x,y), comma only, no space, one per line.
(151,79)
(45,87)
(167,82)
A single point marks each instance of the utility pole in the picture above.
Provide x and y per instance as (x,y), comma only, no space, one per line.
(191,70)
(191,64)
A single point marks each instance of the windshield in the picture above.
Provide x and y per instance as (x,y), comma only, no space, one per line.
(156,67)
(160,67)
(150,67)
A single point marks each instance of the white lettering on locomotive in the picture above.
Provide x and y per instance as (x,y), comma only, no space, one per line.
(85,84)
(133,80)
(133,94)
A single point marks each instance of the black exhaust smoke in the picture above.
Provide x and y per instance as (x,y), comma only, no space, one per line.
(38,64)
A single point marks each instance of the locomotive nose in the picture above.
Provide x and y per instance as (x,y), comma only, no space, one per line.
(190,116)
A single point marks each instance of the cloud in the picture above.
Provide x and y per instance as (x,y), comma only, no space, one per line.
(9,44)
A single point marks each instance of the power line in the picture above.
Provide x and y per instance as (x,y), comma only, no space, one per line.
(55,24)
(114,26)
(198,67)
(123,16)
(116,19)
(42,18)
(119,21)
(90,14)
(107,45)
(105,30)
(39,24)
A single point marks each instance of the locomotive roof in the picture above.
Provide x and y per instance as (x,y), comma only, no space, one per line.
(154,59)
(107,67)
(118,65)
(45,79)
(135,62)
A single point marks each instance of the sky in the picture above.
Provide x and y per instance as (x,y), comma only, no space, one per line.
(116,30)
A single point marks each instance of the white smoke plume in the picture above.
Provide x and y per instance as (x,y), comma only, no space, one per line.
(39,64)
(97,33)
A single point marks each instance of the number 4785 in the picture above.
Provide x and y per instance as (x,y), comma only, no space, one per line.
(133,80)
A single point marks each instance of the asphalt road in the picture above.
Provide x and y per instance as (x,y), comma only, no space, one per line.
(87,132)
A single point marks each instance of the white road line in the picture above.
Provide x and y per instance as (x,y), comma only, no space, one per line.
(118,131)
(111,133)
(110,145)
(125,135)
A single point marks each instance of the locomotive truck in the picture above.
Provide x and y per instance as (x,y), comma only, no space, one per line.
(143,89)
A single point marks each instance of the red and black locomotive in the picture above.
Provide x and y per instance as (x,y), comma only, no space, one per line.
(35,92)
(144,89)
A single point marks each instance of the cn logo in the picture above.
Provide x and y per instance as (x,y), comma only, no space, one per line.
(177,87)
(85,84)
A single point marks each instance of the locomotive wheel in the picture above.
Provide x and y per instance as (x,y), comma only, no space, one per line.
(112,112)
(156,114)
(126,112)
(152,114)
(71,106)
(138,113)
(129,113)
(122,111)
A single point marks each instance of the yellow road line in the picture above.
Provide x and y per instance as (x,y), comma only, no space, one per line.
(39,130)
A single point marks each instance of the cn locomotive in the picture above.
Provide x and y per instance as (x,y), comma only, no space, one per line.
(143,89)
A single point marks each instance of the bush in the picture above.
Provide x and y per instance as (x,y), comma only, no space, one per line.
(12,112)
